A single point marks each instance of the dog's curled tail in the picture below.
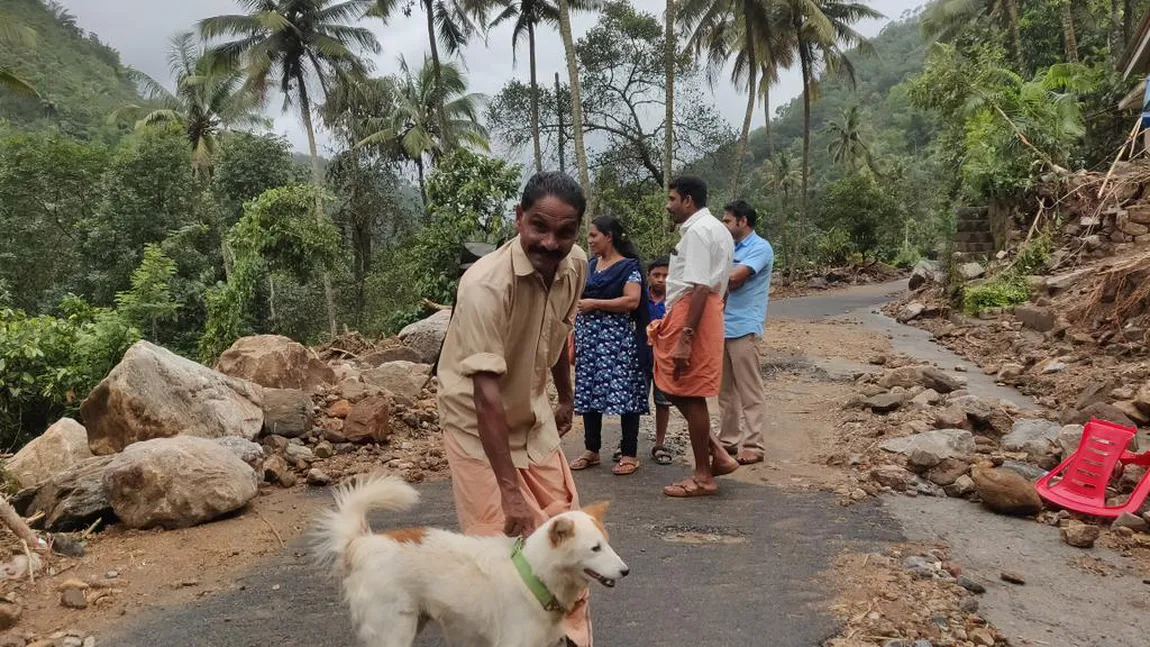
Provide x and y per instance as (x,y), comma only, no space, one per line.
(336,528)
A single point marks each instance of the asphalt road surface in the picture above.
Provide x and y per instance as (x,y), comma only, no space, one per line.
(745,568)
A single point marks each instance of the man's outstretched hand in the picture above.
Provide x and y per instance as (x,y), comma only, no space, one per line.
(519,521)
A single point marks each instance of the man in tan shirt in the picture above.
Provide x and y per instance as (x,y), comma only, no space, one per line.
(513,312)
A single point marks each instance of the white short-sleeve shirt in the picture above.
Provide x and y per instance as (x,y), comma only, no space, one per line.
(702,257)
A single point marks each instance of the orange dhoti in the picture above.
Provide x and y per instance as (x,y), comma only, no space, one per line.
(549,490)
(704,373)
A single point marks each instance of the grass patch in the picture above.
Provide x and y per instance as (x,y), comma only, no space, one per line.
(1002,291)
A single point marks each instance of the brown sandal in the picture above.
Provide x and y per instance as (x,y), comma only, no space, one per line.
(687,489)
(588,459)
(626,465)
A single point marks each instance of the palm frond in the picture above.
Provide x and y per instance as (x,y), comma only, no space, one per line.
(13,83)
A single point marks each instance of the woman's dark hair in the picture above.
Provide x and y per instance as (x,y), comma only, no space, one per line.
(610,226)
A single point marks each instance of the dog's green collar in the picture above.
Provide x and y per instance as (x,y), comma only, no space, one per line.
(537,587)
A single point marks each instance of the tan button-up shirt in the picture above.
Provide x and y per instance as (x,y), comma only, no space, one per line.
(508,322)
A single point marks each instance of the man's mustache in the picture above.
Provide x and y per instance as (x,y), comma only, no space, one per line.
(547,253)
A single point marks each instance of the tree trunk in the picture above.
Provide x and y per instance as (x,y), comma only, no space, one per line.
(669,63)
(317,179)
(576,107)
(1068,36)
(272,299)
(1015,34)
(1116,41)
(444,126)
(1128,20)
(766,86)
(534,101)
(559,120)
(422,184)
(806,71)
(752,96)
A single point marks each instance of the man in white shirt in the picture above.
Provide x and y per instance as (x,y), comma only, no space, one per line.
(688,341)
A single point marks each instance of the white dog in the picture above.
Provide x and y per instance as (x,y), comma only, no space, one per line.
(483,591)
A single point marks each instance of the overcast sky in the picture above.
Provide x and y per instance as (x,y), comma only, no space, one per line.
(140,30)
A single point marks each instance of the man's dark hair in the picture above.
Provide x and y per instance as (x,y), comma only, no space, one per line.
(553,183)
(662,261)
(689,186)
(743,209)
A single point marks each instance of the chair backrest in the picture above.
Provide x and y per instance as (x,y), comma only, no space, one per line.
(1089,470)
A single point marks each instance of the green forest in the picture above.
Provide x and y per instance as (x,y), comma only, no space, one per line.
(136,208)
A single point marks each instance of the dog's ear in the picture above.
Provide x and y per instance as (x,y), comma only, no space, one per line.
(562,529)
(598,510)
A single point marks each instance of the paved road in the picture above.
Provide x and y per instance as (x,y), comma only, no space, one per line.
(757,582)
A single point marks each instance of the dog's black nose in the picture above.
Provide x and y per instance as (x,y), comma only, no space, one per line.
(626,571)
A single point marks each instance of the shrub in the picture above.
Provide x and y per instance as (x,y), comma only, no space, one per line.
(49,364)
(1002,291)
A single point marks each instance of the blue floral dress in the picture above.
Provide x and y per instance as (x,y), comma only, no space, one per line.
(609,373)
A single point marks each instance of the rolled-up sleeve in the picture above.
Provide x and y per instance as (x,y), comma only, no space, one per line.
(480,321)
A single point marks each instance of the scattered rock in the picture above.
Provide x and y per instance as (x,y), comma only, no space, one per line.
(317,478)
(299,453)
(1132,412)
(892,476)
(884,402)
(1133,522)
(247,451)
(426,336)
(1006,492)
(927,377)
(369,421)
(1025,470)
(947,471)
(339,409)
(70,501)
(968,605)
(910,312)
(177,482)
(970,585)
(60,447)
(324,449)
(399,353)
(1080,535)
(950,418)
(287,412)
(924,272)
(941,443)
(1103,411)
(971,271)
(276,471)
(1034,437)
(1034,317)
(1053,366)
(927,398)
(354,390)
(154,393)
(962,487)
(985,415)
(73,599)
(275,362)
(1010,372)
(1068,438)
(403,379)
(1013,577)
(981,637)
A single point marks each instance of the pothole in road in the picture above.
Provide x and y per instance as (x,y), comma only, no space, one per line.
(700,535)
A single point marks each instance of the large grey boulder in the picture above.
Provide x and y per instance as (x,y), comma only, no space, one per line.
(426,336)
(61,446)
(276,362)
(939,443)
(71,500)
(154,393)
(1034,437)
(177,482)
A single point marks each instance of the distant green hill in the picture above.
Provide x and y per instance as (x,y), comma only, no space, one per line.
(80,79)
(890,125)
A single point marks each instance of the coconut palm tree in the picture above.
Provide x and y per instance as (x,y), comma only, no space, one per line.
(294,44)
(528,16)
(414,124)
(16,33)
(946,20)
(847,146)
(456,22)
(669,113)
(722,30)
(565,34)
(207,100)
(822,30)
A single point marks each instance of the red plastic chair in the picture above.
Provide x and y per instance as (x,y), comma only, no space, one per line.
(1079,483)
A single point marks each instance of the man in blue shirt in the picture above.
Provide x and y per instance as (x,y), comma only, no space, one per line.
(742,395)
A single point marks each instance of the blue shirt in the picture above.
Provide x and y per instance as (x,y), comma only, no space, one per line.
(658,309)
(747,306)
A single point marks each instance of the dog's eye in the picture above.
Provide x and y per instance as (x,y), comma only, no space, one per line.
(597,547)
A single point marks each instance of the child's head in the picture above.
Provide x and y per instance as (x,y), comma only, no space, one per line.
(657,275)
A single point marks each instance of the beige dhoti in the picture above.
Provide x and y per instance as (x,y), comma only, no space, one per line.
(549,490)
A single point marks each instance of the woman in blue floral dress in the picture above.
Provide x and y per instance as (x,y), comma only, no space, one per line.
(611,352)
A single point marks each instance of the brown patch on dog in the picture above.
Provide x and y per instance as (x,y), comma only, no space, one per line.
(561,530)
(597,511)
(407,535)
